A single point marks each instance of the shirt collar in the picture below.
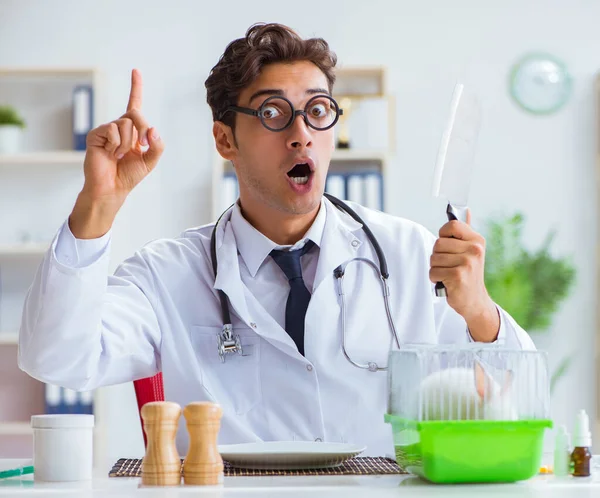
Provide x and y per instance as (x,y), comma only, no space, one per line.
(254,247)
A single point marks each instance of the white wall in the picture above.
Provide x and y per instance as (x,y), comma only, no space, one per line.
(541,166)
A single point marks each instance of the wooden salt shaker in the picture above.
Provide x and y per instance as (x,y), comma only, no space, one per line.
(203,464)
(161,465)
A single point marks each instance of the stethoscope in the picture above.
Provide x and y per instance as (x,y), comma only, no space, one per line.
(229,343)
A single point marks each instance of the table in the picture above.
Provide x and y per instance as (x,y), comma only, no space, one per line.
(321,486)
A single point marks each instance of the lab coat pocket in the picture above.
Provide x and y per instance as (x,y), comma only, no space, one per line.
(236,383)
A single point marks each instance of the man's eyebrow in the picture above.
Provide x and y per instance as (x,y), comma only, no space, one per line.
(266,91)
(317,91)
(278,91)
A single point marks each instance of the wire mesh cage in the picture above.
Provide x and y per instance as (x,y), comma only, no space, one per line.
(468,383)
(446,403)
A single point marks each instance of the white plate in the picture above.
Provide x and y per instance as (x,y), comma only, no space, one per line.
(288,454)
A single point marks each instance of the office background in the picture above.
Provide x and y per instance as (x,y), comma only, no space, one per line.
(544,167)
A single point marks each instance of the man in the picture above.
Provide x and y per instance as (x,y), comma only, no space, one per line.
(299,375)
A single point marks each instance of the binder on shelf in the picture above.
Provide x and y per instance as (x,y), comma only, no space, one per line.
(86,402)
(362,186)
(53,399)
(70,401)
(60,400)
(355,188)
(373,192)
(336,185)
(83,114)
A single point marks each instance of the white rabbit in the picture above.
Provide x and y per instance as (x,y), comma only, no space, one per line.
(466,394)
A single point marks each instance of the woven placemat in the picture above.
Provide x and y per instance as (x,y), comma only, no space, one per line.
(131,467)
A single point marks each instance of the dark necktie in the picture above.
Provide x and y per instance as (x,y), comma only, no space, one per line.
(297,302)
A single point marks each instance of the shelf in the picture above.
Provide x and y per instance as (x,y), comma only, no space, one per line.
(59,157)
(15,429)
(9,338)
(17,250)
(358,155)
(47,71)
(360,82)
(346,155)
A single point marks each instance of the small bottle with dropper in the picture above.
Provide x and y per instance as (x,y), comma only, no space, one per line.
(562,453)
(582,442)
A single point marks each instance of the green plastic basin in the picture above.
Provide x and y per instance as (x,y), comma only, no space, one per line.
(469,450)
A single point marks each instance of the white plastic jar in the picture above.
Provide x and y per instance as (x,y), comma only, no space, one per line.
(62,447)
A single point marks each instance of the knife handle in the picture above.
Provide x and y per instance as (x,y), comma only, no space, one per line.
(453,213)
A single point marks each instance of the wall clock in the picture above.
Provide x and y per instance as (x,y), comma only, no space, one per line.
(540,84)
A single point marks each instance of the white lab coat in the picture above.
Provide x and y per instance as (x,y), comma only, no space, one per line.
(160,311)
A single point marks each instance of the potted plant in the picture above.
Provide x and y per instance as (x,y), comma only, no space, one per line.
(528,285)
(11,127)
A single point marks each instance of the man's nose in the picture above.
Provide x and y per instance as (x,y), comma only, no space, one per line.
(299,133)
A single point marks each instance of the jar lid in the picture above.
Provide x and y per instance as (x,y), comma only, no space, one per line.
(60,421)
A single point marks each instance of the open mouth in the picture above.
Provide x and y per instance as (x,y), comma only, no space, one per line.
(300,173)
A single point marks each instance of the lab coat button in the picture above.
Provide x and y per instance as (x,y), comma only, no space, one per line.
(253,325)
(355,243)
(309,368)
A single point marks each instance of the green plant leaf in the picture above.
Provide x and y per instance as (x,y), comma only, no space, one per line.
(10,116)
(512,292)
(561,370)
(529,286)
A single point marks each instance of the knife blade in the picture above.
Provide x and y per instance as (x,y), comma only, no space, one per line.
(454,164)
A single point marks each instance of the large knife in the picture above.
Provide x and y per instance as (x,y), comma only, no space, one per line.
(454,164)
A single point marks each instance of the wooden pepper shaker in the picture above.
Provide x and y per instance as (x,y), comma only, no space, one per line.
(203,464)
(161,465)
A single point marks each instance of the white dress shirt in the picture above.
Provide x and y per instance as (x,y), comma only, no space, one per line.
(259,272)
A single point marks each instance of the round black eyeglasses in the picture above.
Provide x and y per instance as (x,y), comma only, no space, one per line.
(277,113)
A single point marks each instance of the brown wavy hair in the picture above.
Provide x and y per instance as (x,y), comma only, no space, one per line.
(244,58)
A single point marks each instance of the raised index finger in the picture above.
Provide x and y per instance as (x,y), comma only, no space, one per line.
(135,95)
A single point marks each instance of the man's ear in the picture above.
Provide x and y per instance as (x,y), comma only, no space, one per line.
(224,140)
